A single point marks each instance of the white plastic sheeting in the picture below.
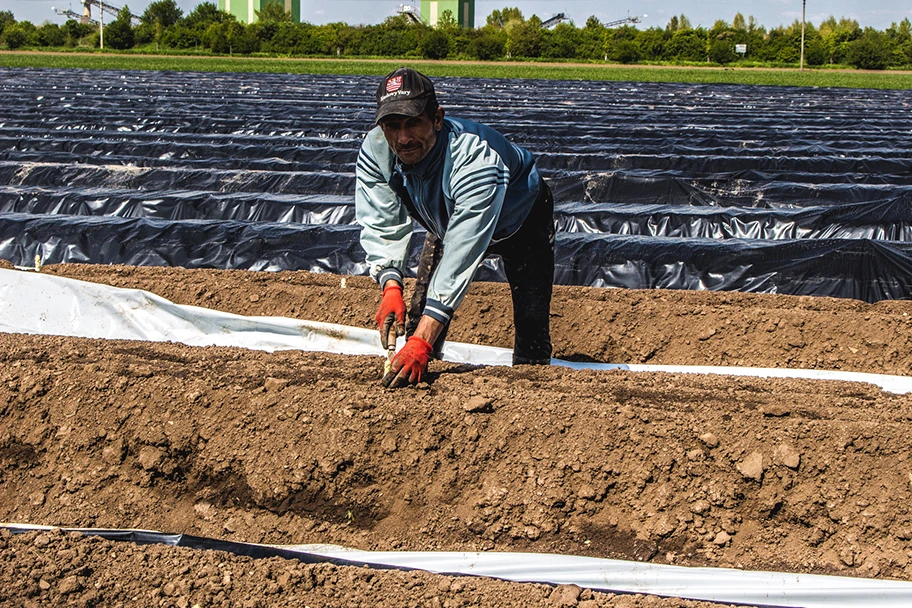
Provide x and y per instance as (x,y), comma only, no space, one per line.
(724,585)
(892,384)
(44,304)
(707,584)
(35,303)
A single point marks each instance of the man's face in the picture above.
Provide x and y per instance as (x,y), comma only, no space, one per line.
(411,137)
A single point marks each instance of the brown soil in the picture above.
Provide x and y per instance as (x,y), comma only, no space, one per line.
(292,448)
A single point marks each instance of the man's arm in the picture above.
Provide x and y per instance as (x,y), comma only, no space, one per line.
(429,329)
(478,186)
(386,228)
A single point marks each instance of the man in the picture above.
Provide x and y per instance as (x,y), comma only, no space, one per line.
(476,194)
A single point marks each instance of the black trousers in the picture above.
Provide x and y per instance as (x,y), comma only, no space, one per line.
(528,260)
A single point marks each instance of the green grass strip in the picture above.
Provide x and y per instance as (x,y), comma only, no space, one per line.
(182,63)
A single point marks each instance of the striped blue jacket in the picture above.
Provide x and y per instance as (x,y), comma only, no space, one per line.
(472,189)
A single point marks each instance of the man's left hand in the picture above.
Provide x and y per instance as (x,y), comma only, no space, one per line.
(409,364)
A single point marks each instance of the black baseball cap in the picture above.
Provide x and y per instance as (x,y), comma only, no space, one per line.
(406,92)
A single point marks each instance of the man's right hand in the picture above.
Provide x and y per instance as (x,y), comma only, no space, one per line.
(391,313)
(409,364)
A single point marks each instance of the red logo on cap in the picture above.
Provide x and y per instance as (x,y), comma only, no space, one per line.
(394,84)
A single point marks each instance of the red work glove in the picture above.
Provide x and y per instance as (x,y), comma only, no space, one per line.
(391,313)
(409,363)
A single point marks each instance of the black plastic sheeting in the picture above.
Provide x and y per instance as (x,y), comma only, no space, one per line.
(186,243)
(883,220)
(771,189)
(149,537)
(864,269)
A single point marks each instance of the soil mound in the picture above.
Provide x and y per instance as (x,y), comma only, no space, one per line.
(292,447)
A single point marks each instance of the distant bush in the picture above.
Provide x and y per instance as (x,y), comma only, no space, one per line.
(19,35)
(51,34)
(487,46)
(6,18)
(722,51)
(119,34)
(624,51)
(436,45)
(870,52)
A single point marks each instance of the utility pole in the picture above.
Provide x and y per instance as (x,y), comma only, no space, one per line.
(803,5)
(101,26)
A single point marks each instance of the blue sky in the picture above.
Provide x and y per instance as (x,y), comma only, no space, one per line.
(770,13)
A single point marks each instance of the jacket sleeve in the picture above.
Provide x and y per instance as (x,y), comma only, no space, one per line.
(477,185)
(386,227)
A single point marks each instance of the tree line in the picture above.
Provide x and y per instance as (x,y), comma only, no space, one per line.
(507,34)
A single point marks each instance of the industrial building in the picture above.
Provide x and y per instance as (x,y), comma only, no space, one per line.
(463,11)
(246,10)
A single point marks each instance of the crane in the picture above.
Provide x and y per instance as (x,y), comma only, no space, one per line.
(624,21)
(103,7)
(553,20)
(411,13)
(74,15)
(562,17)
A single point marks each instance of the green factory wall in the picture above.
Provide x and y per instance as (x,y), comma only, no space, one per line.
(245,10)
(463,11)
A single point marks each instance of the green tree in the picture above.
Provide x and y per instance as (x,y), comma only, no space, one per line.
(652,43)
(687,45)
(901,38)
(76,31)
(624,51)
(288,38)
(215,38)
(336,39)
(488,44)
(50,34)
(722,50)
(591,40)
(267,24)
(395,37)
(525,39)
(721,42)
(676,24)
(6,18)
(204,15)
(448,27)
(870,52)
(163,12)
(119,33)
(620,46)
(435,45)
(243,39)
(193,31)
(815,51)
(562,42)
(157,18)
(754,38)
(19,34)
(781,45)
(447,22)
(500,19)
(837,35)
(273,12)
